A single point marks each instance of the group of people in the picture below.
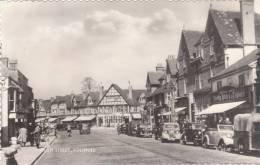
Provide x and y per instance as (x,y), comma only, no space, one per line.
(30,133)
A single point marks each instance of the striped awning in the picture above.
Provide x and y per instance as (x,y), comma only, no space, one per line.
(69,118)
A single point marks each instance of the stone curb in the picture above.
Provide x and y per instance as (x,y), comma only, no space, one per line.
(40,155)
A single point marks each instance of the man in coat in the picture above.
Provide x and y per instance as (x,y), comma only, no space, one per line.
(37,135)
(22,138)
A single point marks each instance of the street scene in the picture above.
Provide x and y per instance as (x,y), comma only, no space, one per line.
(136,82)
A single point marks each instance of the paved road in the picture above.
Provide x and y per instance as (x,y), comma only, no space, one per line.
(104,146)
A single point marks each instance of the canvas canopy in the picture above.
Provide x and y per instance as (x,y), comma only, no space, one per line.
(220,108)
(69,118)
(179,109)
(39,120)
(85,118)
(52,119)
(136,116)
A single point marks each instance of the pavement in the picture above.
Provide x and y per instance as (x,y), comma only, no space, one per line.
(104,146)
(29,154)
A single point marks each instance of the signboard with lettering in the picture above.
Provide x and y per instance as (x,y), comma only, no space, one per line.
(232,94)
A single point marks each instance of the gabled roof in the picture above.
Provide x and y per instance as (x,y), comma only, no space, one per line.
(68,100)
(228,25)
(124,94)
(243,62)
(165,88)
(190,38)
(171,64)
(153,77)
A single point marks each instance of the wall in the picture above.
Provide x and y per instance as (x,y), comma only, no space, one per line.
(234,54)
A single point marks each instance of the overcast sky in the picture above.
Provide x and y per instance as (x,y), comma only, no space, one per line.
(58,44)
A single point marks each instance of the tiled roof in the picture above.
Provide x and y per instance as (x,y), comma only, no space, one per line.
(94,96)
(228,25)
(240,63)
(154,77)
(67,99)
(172,65)
(191,37)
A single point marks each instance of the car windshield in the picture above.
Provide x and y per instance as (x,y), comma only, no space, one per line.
(197,126)
(171,126)
(225,127)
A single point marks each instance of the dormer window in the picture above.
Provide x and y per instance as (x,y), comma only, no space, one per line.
(194,55)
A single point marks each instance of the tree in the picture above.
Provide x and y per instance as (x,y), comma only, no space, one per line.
(89,85)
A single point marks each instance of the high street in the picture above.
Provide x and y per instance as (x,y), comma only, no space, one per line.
(104,146)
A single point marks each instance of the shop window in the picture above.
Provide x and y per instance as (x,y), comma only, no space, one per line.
(241,80)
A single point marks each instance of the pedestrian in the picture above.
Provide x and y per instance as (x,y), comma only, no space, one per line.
(80,128)
(22,138)
(37,135)
(11,151)
(69,130)
(30,136)
(227,121)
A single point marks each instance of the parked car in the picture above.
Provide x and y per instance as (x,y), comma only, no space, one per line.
(121,129)
(247,132)
(144,130)
(85,128)
(192,132)
(170,132)
(220,137)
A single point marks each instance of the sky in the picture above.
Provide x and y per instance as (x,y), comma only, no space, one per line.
(57,44)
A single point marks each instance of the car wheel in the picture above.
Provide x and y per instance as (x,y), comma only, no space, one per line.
(205,143)
(182,141)
(222,146)
(241,147)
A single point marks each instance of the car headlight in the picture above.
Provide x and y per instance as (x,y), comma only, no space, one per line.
(229,135)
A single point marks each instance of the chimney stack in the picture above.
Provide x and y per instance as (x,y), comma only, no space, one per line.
(130,91)
(160,68)
(248,25)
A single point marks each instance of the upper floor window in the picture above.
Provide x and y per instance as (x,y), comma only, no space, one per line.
(194,55)
(184,62)
(197,82)
(241,80)
(211,68)
(11,100)
(211,47)
(219,85)
(227,62)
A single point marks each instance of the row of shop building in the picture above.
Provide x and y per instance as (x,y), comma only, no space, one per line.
(214,73)
(102,108)
(16,100)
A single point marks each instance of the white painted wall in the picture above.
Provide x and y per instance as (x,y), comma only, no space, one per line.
(234,55)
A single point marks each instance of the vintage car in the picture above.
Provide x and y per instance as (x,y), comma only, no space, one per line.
(121,129)
(192,132)
(144,130)
(220,137)
(247,132)
(170,132)
(84,128)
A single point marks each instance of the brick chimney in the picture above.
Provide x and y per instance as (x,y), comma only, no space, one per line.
(130,91)
(248,25)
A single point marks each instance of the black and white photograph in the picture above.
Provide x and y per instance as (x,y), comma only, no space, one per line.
(129,82)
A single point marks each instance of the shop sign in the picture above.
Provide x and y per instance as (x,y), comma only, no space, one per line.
(231,94)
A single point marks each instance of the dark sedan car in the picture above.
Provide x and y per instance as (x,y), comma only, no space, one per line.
(192,132)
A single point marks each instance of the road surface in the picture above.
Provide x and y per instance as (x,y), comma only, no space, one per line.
(104,146)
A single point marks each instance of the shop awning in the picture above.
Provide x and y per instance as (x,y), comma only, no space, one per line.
(179,109)
(85,118)
(220,108)
(69,118)
(39,120)
(136,115)
(52,119)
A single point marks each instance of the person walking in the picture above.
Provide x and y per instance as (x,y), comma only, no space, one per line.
(37,135)
(30,136)
(22,138)
(69,130)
